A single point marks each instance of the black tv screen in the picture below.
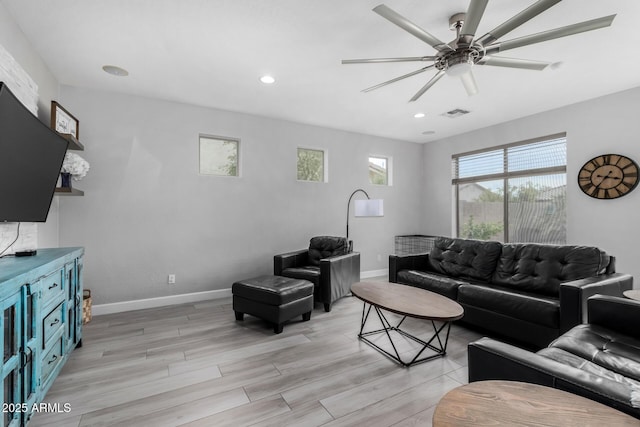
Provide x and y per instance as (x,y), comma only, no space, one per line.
(31,156)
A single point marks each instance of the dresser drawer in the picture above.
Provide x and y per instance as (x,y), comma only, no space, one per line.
(52,287)
(52,323)
(52,359)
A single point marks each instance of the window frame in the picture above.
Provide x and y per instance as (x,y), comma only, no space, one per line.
(325,163)
(223,139)
(505,175)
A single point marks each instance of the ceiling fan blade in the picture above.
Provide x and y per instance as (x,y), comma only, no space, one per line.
(388,82)
(402,22)
(378,60)
(469,83)
(474,14)
(426,87)
(569,30)
(519,19)
(526,64)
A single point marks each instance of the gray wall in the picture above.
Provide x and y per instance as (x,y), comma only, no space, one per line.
(147,212)
(14,41)
(604,125)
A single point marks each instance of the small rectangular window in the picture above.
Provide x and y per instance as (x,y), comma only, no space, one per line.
(379,170)
(311,165)
(219,156)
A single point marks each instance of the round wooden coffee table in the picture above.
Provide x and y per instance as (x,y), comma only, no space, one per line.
(407,301)
(632,294)
(512,403)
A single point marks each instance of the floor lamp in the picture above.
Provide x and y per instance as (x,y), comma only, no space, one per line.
(364,208)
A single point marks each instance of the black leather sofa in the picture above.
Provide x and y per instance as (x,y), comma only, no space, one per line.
(327,263)
(529,293)
(599,360)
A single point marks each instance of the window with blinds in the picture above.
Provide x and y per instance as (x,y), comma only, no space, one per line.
(513,193)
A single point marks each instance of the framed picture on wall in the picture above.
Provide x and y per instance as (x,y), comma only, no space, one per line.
(63,121)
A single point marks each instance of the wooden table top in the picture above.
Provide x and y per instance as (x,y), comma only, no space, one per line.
(513,403)
(632,294)
(408,300)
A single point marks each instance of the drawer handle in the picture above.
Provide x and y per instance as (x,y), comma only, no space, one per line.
(53,359)
(55,285)
(55,322)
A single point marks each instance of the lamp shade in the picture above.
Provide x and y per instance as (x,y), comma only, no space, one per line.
(369,207)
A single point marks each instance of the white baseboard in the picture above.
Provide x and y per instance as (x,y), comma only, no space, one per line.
(139,304)
(374,273)
(118,307)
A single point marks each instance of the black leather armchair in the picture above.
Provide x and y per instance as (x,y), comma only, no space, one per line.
(327,263)
(599,360)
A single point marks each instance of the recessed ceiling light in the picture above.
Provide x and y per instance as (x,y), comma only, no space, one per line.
(116,71)
(267,80)
(428,132)
(418,115)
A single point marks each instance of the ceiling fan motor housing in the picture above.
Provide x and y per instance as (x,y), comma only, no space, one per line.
(458,62)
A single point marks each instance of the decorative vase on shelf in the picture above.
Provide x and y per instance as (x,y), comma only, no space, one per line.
(65,180)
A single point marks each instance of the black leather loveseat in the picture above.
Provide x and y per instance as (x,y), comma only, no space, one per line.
(599,360)
(531,293)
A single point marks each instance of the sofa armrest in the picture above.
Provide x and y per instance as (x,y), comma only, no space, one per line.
(337,274)
(618,314)
(407,262)
(574,296)
(493,360)
(290,260)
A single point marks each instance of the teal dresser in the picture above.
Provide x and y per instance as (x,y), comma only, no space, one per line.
(41,323)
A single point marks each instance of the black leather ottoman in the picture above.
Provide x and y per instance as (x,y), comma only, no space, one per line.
(275,299)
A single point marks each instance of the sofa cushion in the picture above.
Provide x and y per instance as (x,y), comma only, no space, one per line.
(520,305)
(464,258)
(541,268)
(326,247)
(431,282)
(604,347)
(570,359)
(310,273)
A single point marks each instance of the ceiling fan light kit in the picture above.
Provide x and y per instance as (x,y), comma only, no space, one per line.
(458,62)
(458,57)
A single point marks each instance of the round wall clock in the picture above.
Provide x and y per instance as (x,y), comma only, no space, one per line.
(608,176)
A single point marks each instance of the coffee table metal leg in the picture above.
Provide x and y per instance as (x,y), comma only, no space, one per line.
(387,328)
(364,317)
(440,350)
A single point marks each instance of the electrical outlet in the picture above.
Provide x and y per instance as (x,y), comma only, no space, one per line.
(171,279)
(379,258)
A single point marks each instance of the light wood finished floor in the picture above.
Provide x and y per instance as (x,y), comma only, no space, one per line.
(195,365)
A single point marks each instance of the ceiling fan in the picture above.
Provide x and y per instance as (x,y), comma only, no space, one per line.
(457,57)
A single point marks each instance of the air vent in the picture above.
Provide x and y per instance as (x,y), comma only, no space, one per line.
(456,113)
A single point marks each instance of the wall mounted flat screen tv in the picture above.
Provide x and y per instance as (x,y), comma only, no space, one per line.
(31,156)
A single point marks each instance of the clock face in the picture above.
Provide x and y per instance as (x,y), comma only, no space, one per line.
(608,176)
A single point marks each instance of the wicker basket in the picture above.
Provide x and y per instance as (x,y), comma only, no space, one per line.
(86,306)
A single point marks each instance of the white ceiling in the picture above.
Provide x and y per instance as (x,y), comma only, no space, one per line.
(212,53)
